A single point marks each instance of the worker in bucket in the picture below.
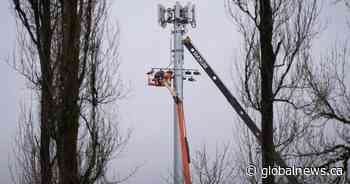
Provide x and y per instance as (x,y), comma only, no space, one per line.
(159,78)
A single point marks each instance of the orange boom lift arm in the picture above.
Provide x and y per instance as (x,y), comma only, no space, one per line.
(163,79)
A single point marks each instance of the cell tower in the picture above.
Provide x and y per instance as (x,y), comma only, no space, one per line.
(179,16)
(172,78)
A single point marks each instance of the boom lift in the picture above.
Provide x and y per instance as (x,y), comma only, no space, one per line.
(163,78)
(233,101)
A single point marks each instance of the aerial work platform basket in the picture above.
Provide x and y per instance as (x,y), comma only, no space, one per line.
(163,78)
(160,77)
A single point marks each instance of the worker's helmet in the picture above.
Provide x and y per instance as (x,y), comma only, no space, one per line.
(159,75)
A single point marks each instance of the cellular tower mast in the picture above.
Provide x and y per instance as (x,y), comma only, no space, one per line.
(179,16)
(172,78)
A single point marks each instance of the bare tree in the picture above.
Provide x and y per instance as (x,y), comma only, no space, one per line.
(276,39)
(328,103)
(213,170)
(27,163)
(69,57)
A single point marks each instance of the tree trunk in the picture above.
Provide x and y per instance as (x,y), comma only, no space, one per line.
(46,172)
(69,94)
(267,68)
(46,103)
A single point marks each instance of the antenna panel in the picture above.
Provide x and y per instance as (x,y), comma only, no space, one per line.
(161,16)
(193,16)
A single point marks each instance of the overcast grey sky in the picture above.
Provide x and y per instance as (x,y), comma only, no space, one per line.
(144,44)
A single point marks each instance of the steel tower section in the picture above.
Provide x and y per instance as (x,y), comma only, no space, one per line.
(178,52)
(179,16)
